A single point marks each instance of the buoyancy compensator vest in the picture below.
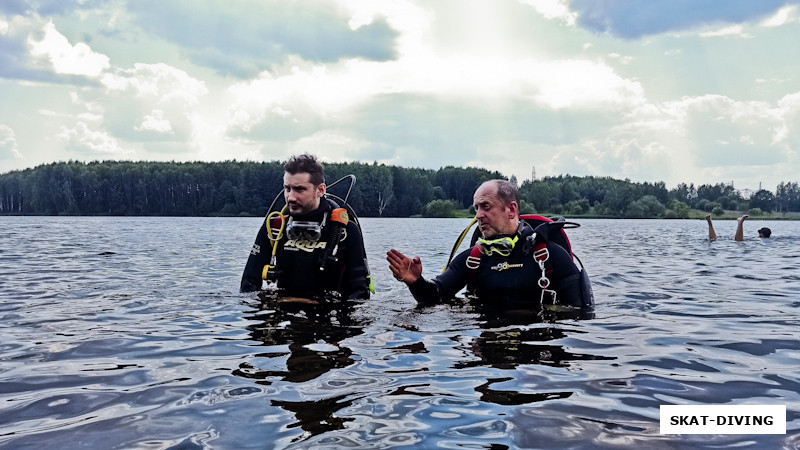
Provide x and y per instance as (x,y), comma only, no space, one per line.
(574,289)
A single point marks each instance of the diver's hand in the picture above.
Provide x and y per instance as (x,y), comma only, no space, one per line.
(404,268)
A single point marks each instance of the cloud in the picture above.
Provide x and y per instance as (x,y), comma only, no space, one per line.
(784,16)
(14,53)
(82,140)
(155,121)
(306,100)
(704,138)
(34,50)
(553,9)
(14,7)
(694,139)
(634,19)
(787,135)
(506,84)
(8,144)
(246,37)
(65,58)
(733,30)
(148,102)
(725,132)
(47,7)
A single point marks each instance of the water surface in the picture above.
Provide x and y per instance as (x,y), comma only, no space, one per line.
(131,333)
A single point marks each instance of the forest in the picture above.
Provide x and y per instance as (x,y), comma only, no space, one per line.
(238,188)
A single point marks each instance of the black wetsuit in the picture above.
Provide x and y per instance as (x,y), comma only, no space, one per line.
(298,262)
(508,282)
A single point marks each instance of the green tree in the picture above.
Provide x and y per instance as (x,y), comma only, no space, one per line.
(576,207)
(787,197)
(646,207)
(677,210)
(763,199)
(441,208)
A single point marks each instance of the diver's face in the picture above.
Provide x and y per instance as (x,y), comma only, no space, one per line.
(494,217)
(301,195)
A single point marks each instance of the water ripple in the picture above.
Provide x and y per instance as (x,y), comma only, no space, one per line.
(130,333)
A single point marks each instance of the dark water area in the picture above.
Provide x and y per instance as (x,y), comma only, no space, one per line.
(131,333)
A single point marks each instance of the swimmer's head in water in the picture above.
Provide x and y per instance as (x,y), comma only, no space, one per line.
(764,232)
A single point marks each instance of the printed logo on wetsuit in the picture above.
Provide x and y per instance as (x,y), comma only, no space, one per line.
(304,245)
(505,266)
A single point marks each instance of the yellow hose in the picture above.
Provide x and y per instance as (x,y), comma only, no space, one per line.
(274,239)
(459,241)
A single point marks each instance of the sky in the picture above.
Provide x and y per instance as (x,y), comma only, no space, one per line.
(673,91)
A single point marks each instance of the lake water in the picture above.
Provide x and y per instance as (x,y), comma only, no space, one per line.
(131,333)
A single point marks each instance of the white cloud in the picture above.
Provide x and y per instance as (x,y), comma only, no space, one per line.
(733,30)
(585,85)
(787,135)
(622,59)
(8,143)
(410,20)
(695,139)
(325,92)
(155,121)
(784,16)
(159,82)
(337,146)
(67,59)
(147,102)
(553,9)
(81,138)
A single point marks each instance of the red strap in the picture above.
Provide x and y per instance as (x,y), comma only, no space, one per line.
(276,221)
(540,252)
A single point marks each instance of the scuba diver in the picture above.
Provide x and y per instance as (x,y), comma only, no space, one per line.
(316,250)
(512,265)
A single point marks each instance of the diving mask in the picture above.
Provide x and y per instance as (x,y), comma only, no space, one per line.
(303,230)
(501,246)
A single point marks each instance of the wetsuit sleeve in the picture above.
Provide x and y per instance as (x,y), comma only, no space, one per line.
(444,286)
(568,280)
(259,257)
(355,281)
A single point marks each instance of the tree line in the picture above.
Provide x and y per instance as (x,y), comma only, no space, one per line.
(237,188)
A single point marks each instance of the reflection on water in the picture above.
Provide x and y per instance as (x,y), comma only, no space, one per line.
(301,343)
(130,333)
(306,339)
(508,348)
